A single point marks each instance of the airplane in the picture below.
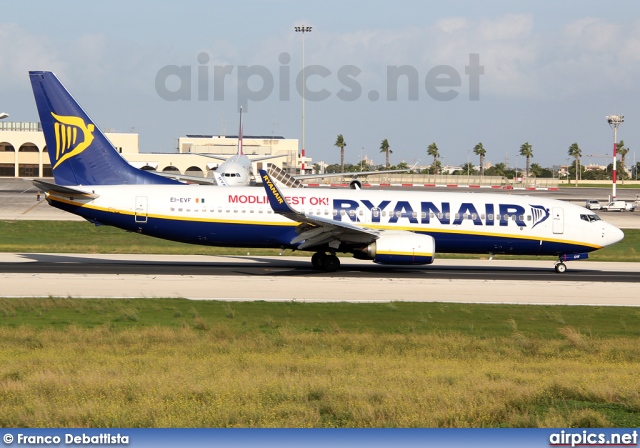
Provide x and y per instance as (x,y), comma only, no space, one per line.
(390,227)
(237,170)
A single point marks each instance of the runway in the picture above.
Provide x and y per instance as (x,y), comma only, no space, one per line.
(291,278)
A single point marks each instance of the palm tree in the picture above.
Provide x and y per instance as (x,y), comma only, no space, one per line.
(480,151)
(432,150)
(501,169)
(525,150)
(384,147)
(575,151)
(623,154)
(536,169)
(340,143)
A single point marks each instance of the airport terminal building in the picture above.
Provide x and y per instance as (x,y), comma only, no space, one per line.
(24,153)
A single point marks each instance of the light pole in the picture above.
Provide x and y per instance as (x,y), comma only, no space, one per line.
(361,149)
(615,121)
(468,180)
(303,30)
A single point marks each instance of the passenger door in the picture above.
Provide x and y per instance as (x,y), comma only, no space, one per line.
(558,220)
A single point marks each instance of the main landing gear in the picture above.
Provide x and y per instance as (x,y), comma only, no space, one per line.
(327,262)
(560,267)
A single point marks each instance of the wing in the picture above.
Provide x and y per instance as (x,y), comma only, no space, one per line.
(315,230)
(354,174)
(187,179)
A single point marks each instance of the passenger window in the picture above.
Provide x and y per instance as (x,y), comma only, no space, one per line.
(398,214)
(457,215)
(528,217)
(424,215)
(447,215)
(342,213)
(376,213)
(440,215)
(490,217)
(474,216)
(335,212)
(414,214)
(352,213)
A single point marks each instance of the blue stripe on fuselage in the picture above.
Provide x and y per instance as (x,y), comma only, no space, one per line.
(224,234)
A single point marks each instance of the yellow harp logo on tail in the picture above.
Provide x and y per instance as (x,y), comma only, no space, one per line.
(68,142)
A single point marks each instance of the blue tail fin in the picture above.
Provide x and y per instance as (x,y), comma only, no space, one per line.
(80,154)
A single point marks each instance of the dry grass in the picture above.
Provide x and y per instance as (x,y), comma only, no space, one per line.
(207,375)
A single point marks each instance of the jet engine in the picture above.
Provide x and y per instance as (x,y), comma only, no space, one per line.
(404,248)
(355,184)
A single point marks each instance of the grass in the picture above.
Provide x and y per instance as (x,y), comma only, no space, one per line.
(178,363)
(54,237)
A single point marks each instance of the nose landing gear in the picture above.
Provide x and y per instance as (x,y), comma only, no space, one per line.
(560,267)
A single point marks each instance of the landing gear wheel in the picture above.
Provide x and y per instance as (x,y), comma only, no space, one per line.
(317,260)
(331,263)
(560,268)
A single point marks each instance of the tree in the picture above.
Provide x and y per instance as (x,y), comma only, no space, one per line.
(384,147)
(340,143)
(536,169)
(467,168)
(480,151)
(576,152)
(500,169)
(620,172)
(432,150)
(623,155)
(525,150)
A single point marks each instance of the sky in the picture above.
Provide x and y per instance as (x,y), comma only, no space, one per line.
(455,73)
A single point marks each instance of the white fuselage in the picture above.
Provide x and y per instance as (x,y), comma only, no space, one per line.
(242,216)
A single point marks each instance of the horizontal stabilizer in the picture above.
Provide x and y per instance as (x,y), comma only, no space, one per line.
(51,187)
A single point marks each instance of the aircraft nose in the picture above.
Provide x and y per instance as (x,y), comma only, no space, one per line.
(612,235)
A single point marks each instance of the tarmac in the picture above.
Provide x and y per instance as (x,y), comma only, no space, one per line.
(237,286)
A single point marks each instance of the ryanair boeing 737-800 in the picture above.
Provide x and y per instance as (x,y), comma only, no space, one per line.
(92,180)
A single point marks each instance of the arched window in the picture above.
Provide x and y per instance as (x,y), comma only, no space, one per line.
(194,171)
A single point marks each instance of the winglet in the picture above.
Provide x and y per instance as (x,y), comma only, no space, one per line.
(276,198)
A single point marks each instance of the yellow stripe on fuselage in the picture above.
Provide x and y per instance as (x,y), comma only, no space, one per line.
(416,229)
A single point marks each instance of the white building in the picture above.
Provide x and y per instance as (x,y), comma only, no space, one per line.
(23,152)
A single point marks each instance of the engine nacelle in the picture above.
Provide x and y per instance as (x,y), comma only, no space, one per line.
(406,248)
(355,184)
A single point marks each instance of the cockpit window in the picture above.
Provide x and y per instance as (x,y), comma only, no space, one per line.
(590,218)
